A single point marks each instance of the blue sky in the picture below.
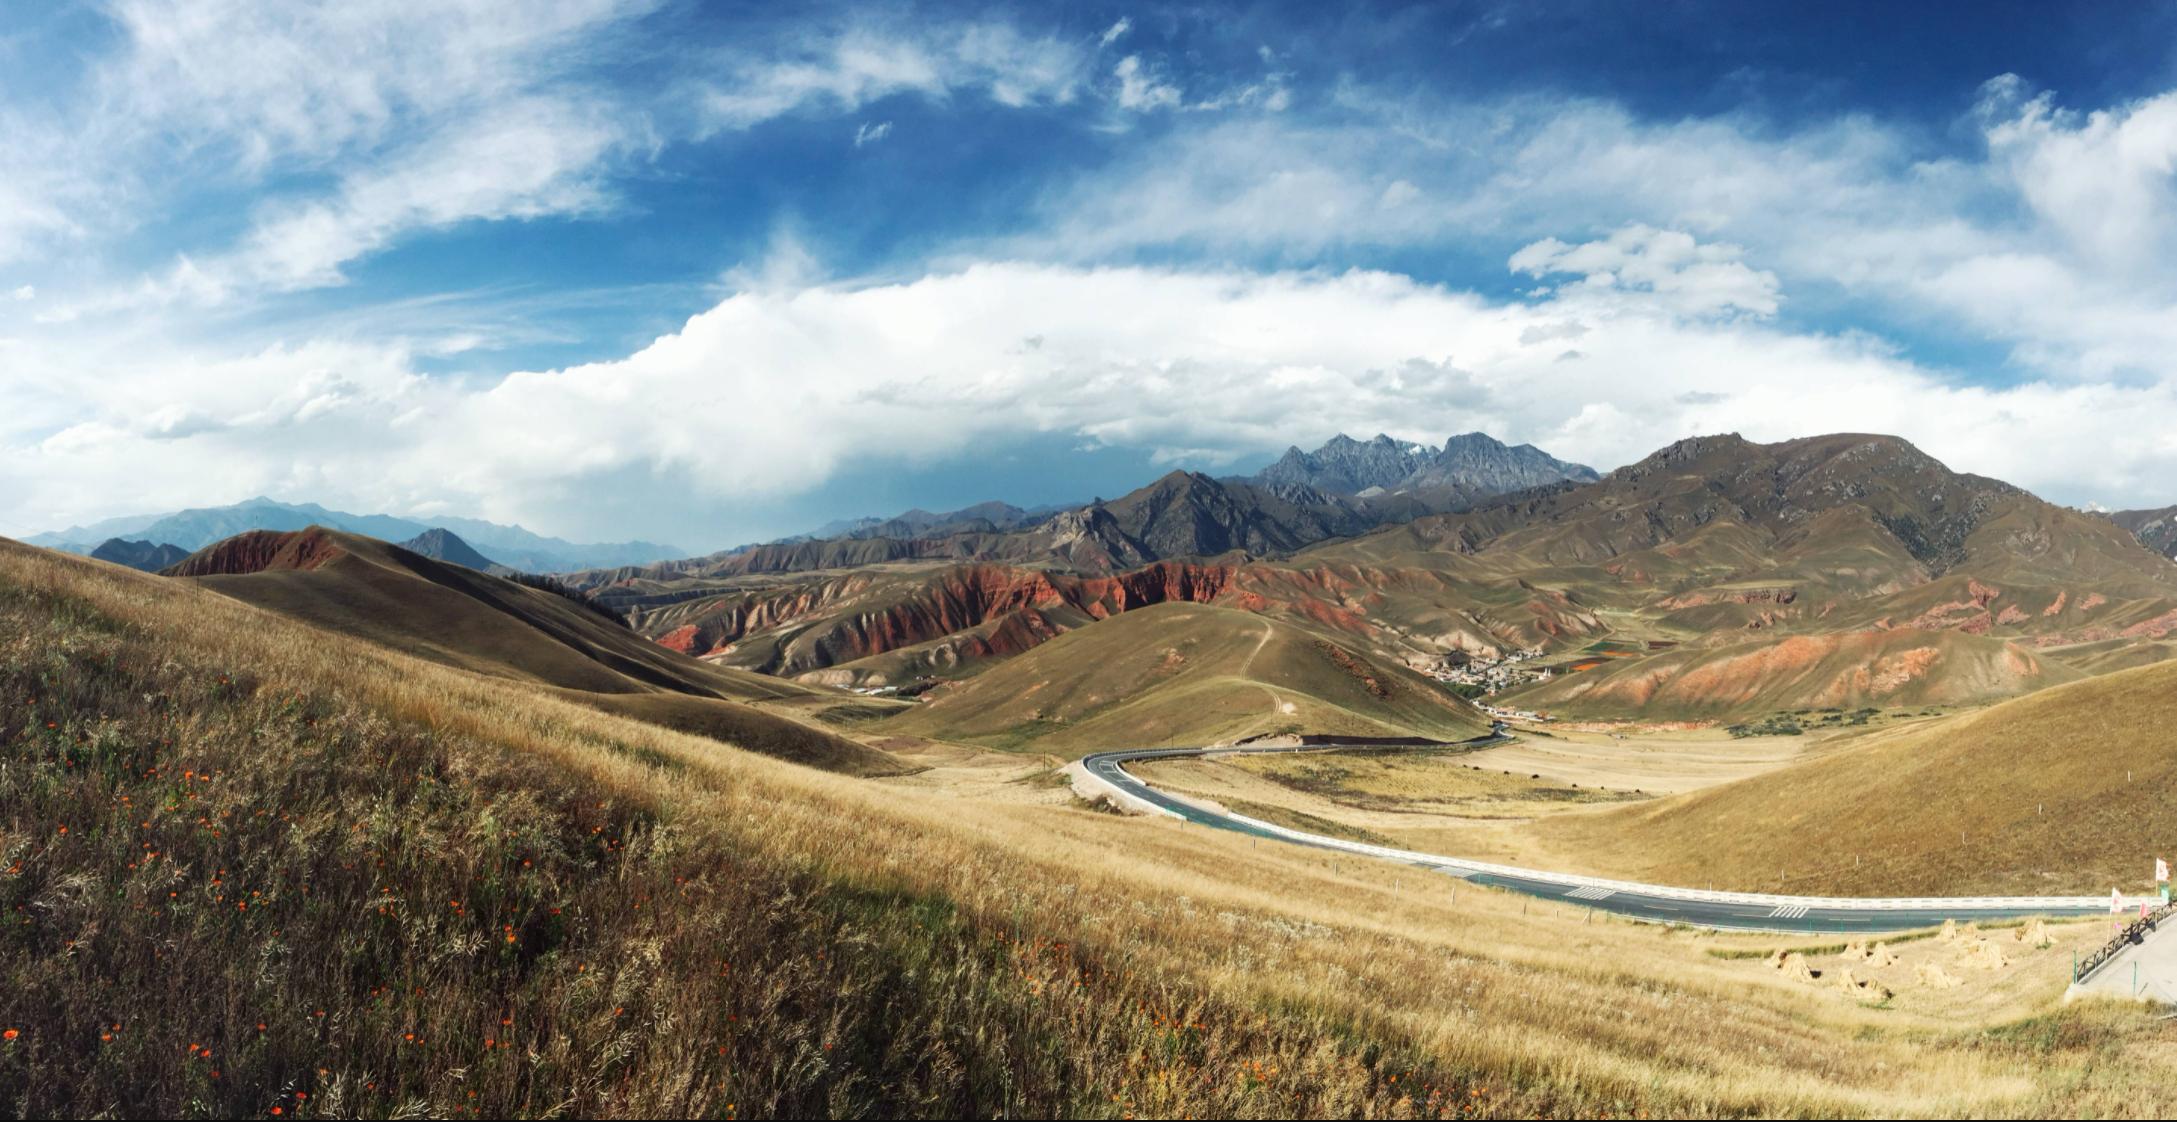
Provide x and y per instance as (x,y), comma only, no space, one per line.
(712,273)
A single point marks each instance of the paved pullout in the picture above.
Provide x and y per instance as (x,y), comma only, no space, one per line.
(1727,910)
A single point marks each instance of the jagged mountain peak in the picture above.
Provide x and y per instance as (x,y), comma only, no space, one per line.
(1468,467)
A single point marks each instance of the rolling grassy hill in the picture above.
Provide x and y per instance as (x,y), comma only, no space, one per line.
(359,586)
(1186,674)
(2064,791)
(254,864)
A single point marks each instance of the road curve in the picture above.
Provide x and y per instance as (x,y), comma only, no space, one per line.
(1747,911)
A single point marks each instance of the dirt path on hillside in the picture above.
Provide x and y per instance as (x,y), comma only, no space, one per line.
(1279,707)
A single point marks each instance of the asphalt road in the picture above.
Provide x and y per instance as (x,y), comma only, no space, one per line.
(1697,907)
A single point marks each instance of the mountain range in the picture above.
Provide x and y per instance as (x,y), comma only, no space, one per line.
(1724,577)
(193,529)
(1343,488)
(1714,578)
(1468,467)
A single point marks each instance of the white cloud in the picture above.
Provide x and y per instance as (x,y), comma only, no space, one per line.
(354,125)
(26,292)
(871,134)
(2052,244)
(1399,193)
(1112,33)
(1139,89)
(846,70)
(780,387)
(337,127)
(1697,278)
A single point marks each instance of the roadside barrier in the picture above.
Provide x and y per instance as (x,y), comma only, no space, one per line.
(2135,932)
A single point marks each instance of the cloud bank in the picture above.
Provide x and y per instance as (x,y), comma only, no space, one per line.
(775,390)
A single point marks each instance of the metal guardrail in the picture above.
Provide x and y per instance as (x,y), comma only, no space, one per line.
(2135,932)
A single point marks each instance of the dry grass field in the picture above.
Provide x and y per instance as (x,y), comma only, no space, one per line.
(254,865)
(2065,791)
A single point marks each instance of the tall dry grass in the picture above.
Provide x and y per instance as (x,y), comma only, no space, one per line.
(346,840)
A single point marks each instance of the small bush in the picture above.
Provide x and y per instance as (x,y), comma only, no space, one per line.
(1777,725)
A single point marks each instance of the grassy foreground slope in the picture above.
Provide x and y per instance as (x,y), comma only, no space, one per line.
(2065,791)
(1187,674)
(250,865)
(363,587)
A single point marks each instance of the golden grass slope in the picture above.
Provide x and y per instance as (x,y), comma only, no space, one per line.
(1847,670)
(1187,674)
(387,595)
(478,622)
(2065,791)
(271,825)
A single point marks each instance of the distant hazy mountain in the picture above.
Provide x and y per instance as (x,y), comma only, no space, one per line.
(1184,514)
(982,518)
(445,545)
(139,555)
(1468,467)
(511,545)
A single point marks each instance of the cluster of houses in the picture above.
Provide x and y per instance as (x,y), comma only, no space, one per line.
(1493,674)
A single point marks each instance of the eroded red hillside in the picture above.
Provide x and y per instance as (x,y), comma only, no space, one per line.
(258,551)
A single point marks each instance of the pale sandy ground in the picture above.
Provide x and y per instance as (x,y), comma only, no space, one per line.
(1655,763)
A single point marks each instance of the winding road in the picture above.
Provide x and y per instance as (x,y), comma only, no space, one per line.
(1726,910)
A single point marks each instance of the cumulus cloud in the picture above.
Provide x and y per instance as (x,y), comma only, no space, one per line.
(778,388)
(1695,278)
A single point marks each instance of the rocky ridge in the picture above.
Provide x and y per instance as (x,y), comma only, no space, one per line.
(1469,467)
